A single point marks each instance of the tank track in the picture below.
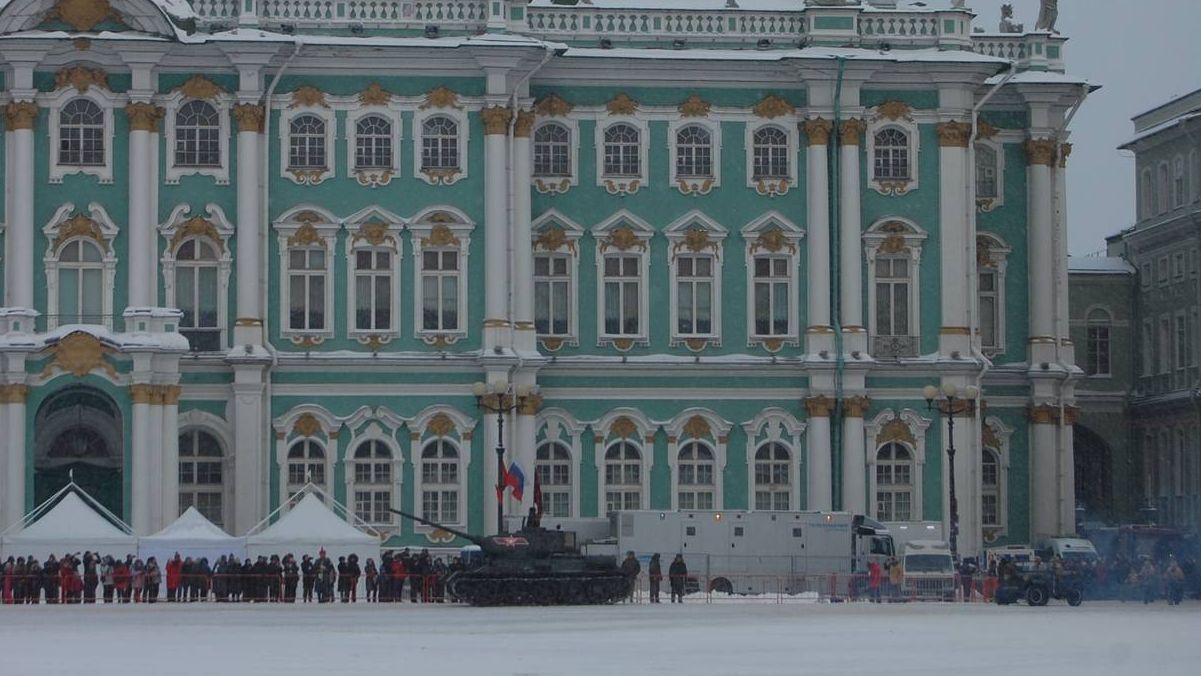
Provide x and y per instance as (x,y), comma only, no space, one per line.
(483,589)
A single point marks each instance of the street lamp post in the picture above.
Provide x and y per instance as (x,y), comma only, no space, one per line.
(500,398)
(950,400)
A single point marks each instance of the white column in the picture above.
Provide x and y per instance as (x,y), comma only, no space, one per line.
(154,467)
(954,334)
(854,456)
(1040,155)
(13,404)
(1044,465)
(169,456)
(817,278)
(142,395)
(850,248)
(248,327)
(251,451)
(967,484)
(21,118)
(496,226)
(820,486)
(523,251)
(143,120)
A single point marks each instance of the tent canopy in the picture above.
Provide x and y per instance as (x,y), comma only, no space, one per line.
(191,535)
(69,526)
(192,525)
(310,522)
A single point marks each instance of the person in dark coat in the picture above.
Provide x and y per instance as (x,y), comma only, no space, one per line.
(630,568)
(291,578)
(371,578)
(967,574)
(308,576)
(343,580)
(275,578)
(50,579)
(354,571)
(154,578)
(91,576)
(677,575)
(654,573)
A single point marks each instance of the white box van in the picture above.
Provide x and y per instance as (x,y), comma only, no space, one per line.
(1071,550)
(929,570)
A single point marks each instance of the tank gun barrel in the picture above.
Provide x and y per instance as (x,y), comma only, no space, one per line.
(435,524)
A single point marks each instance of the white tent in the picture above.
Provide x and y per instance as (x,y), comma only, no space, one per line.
(69,526)
(190,535)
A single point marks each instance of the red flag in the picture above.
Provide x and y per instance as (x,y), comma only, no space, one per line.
(501,480)
(537,493)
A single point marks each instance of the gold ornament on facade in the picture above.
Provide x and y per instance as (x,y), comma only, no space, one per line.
(440,235)
(1071,414)
(850,132)
(441,97)
(82,44)
(200,87)
(307,425)
(695,240)
(695,106)
(440,425)
(375,95)
(984,130)
(306,235)
(773,345)
(819,406)
(894,110)
(622,187)
(989,438)
(171,394)
(197,226)
(442,176)
(623,344)
(308,96)
(893,187)
(773,106)
(622,104)
(817,130)
(702,187)
(697,427)
(1043,414)
(551,344)
(856,406)
(893,244)
(79,353)
(21,115)
(143,116)
(306,341)
(773,241)
(552,238)
(954,134)
(80,226)
(552,187)
(623,428)
(895,430)
(623,239)
(84,15)
(552,105)
(1065,150)
(81,78)
(496,119)
(696,344)
(772,187)
(524,125)
(374,341)
(249,117)
(15,393)
(375,234)
(530,404)
(984,258)
(373,179)
(144,393)
(1040,152)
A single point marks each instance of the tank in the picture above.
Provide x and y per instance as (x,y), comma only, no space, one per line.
(533,566)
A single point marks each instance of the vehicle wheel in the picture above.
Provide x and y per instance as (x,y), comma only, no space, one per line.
(1036,595)
(721,585)
(1075,597)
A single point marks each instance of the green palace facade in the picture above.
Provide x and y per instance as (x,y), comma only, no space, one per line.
(709,257)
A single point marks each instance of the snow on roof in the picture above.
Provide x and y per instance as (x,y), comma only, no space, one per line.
(1099,265)
(311,522)
(1045,77)
(192,525)
(830,53)
(120,341)
(70,519)
(739,5)
(1162,126)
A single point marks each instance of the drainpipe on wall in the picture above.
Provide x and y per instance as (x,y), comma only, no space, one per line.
(835,186)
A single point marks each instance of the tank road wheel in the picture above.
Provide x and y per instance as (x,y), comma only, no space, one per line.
(1037,595)
(1075,596)
(721,585)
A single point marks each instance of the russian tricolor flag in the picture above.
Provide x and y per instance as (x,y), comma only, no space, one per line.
(515,480)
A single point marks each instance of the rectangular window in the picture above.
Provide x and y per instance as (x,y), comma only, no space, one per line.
(306,289)
(1163,271)
(1165,345)
(1098,351)
(989,510)
(373,290)
(892,296)
(772,283)
(440,291)
(1178,262)
(1145,274)
(623,295)
(552,295)
(1181,352)
(1148,351)
(990,310)
(694,295)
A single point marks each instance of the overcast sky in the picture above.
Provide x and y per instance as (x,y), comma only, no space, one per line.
(1141,53)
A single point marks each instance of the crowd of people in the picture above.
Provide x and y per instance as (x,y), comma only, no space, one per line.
(91,577)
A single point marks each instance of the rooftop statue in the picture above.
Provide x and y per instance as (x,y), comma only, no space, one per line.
(1007,24)
(1048,14)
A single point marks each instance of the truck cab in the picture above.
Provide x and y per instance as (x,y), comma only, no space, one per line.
(929,570)
(1072,551)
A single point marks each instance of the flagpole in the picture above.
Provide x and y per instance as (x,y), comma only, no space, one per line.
(500,398)
(500,470)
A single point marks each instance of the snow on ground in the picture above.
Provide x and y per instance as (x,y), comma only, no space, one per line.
(695,638)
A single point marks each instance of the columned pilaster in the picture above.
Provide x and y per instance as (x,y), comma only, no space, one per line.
(251,450)
(817,279)
(168,508)
(968,461)
(954,334)
(1040,158)
(850,249)
(20,121)
(525,432)
(12,408)
(248,327)
(143,156)
(142,396)
(496,226)
(854,457)
(820,478)
(1063,333)
(1044,467)
(523,251)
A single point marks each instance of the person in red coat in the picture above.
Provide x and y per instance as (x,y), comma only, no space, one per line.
(121,581)
(174,573)
(874,577)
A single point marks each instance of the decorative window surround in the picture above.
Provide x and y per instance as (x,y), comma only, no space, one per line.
(987,204)
(694,233)
(374,229)
(996,435)
(67,226)
(775,425)
(86,83)
(559,184)
(632,426)
(374,101)
(992,254)
(893,115)
(193,420)
(694,185)
(443,228)
(376,432)
(907,428)
(306,227)
(307,101)
(623,234)
(772,187)
(197,88)
(708,429)
(441,102)
(774,236)
(558,426)
(440,423)
(555,233)
(306,422)
(623,113)
(895,237)
(179,227)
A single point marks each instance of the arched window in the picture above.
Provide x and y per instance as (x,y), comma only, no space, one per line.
(894,483)
(306,142)
(553,468)
(552,150)
(622,151)
(694,152)
(990,482)
(623,477)
(201,476)
(770,154)
(696,487)
(373,143)
(986,172)
(891,161)
(373,482)
(1179,185)
(439,143)
(1097,361)
(1162,202)
(80,283)
(196,293)
(197,135)
(306,463)
(440,482)
(773,477)
(81,134)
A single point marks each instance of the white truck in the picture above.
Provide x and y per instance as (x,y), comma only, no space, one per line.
(929,570)
(757,552)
